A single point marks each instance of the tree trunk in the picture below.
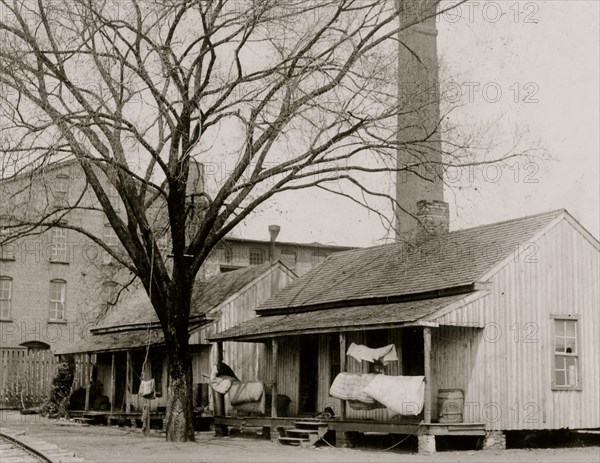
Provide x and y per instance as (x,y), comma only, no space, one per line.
(179,422)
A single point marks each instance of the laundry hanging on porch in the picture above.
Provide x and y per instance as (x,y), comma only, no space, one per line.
(241,393)
(349,386)
(146,389)
(382,354)
(221,378)
(401,395)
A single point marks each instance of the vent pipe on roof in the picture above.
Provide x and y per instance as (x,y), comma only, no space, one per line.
(273,232)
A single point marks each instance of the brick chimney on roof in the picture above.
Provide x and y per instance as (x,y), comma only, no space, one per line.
(434,218)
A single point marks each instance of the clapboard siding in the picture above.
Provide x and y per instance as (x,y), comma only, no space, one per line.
(243,357)
(509,375)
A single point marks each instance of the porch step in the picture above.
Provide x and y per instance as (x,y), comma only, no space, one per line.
(294,441)
(305,433)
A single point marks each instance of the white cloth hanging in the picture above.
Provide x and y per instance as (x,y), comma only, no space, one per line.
(382,354)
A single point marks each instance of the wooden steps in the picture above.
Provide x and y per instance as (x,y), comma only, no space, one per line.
(304,433)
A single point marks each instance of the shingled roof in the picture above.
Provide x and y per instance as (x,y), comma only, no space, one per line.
(206,296)
(337,319)
(387,273)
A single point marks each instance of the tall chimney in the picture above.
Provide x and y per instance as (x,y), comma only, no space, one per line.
(419,158)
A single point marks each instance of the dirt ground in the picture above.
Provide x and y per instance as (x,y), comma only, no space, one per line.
(116,445)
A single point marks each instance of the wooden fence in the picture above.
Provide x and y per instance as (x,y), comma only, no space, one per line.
(26,377)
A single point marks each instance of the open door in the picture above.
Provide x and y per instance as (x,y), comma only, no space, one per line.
(309,356)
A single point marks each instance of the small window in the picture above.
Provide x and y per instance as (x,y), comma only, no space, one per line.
(5,297)
(61,187)
(567,373)
(109,294)
(58,292)
(58,245)
(110,239)
(257,256)
(289,258)
(228,254)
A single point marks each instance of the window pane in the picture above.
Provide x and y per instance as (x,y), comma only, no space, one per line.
(559,344)
(5,295)
(560,378)
(257,256)
(4,309)
(5,286)
(57,300)
(559,327)
(570,328)
(571,345)
(571,373)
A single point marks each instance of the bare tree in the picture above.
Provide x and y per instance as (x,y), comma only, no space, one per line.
(287,94)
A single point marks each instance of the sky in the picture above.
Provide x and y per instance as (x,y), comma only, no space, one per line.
(527,72)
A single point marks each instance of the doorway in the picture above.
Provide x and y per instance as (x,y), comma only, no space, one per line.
(309,374)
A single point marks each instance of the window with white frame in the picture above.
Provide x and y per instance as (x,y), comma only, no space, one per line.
(567,370)
(110,239)
(5,297)
(58,294)
(58,245)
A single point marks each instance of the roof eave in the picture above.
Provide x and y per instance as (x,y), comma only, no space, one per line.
(279,334)
(442,292)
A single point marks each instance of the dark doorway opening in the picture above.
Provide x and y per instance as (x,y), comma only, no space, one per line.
(120,380)
(309,355)
(413,358)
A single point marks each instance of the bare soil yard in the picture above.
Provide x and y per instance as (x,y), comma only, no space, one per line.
(113,444)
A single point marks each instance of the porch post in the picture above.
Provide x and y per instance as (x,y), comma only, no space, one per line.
(219,399)
(113,372)
(275,347)
(343,370)
(128,383)
(88,374)
(426,441)
(220,403)
(427,355)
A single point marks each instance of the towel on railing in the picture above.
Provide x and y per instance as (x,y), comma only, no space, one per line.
(241,393)
(402,395)
(383,354)
(349,386)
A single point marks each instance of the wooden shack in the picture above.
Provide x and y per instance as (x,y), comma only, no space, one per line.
(128,345)
(506,313)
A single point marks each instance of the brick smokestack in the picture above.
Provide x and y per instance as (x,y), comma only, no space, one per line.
(419,158)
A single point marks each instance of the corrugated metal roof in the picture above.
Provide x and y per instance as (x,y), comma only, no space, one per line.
(206,296)
(339,319)
(362,276)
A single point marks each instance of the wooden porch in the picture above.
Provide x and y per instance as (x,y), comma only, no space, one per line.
(344,425)
(361,426)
